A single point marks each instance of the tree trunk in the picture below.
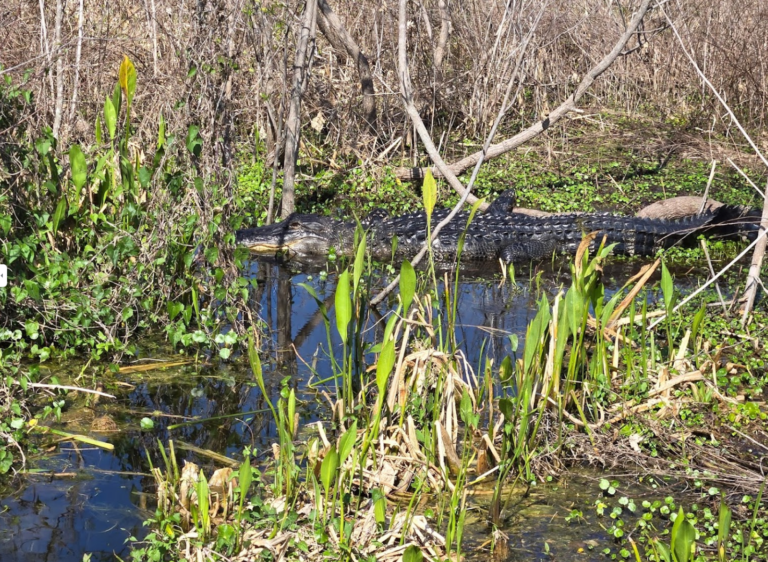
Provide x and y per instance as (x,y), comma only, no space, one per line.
(304,51)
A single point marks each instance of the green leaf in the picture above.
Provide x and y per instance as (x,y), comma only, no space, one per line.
(78,167)
(292,412)
(407,285)
(465,409)
(110,117)
(683,536)
(194,142)
(117,98)
(359,263)
(667,288)
(145,176)
(343,305)
(161,132)
(127,78)
(507,409)
(147,424)
(328,468)
(347,442)
(384,366)
(174,308)
(413,554)
(98,129)
(379,506)
(60,213)
(724,523)
(429,192)
(245,477)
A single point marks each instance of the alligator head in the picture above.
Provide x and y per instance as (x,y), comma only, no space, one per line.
(297,234)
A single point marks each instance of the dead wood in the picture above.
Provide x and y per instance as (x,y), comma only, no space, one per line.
(339,37)
(753,278)
(536,129)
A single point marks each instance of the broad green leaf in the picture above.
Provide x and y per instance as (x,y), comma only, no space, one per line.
(347,442)
(379,506)
(78,167)
(429,192)
(385,364)
(147,424)
(507,409)
(343,305)
(127,78)
(407,285)
(682,536)
(174,309)
(60,213)
(328,468)
(413,554)
(466,411)
(110,117)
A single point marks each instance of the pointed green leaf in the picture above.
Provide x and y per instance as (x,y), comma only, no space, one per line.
(60,213)
(245,477)
(328,468)
(127,78)
(359,263)
(98,130)
(292,412)
(343,305)
(407,285)
(384,366)
(110,117)
(667,288)
(78,167)
(117,98)
(347,442)
(429,193)
(161,132)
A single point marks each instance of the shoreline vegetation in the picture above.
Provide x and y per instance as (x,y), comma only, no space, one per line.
(117,217)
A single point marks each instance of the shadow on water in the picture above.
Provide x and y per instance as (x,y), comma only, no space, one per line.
(87,500)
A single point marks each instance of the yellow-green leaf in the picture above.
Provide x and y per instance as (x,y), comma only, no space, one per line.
(407,285)
(110,117)
(384,366)
(429,192)
(127,78)
(343,305)
(78,167)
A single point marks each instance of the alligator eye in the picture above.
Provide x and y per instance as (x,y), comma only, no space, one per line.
(294,225)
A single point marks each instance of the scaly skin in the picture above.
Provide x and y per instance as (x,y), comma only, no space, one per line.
(497,234)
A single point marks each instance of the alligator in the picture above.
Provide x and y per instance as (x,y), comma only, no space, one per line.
(499,233)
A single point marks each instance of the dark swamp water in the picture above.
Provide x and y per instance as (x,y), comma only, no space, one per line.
(100,498)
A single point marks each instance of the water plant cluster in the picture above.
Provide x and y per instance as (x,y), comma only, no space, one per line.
(416,434)
(108,242)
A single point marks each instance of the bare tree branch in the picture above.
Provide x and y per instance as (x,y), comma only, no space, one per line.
(406,88)
(536,129)
(339,37)
(753,278)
